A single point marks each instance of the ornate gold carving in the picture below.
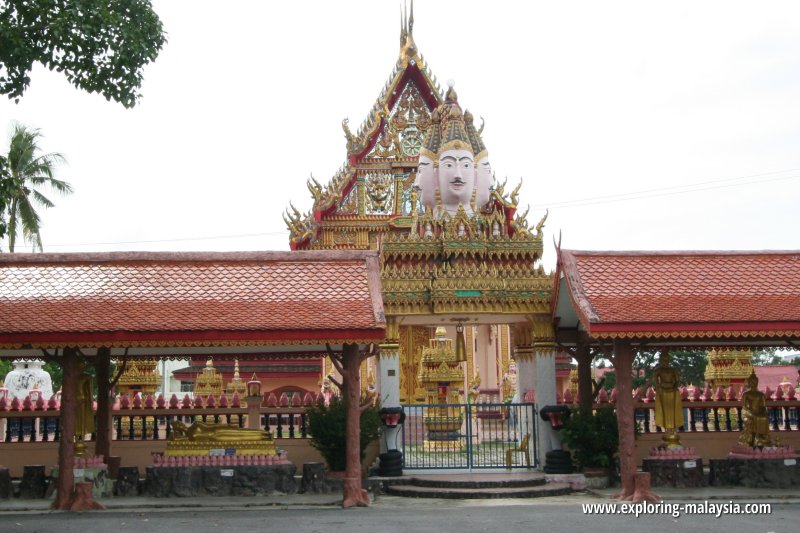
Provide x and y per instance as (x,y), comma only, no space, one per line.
(470,333)
(441,374)
(392,329)
(301,227)
(236,385)
(727,366)
(183,343)
(140,376)
(200,438)
(208,382)
(710,334)
(543,332)
(350,204)
(412,340)
(380,192)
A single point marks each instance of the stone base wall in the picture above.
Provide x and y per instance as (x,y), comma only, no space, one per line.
(708,444)
(678,473)
(15,455)
(164,482)
(756,473)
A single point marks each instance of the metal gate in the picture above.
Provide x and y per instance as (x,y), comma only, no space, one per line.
(467,436)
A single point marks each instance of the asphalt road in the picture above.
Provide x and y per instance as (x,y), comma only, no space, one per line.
(396,515)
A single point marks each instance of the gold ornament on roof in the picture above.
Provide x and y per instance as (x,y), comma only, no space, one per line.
(140,376)
(208,382)
(729,366)
(236,385)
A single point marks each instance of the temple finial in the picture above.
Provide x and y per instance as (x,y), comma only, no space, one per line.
(411,20)
(402,28)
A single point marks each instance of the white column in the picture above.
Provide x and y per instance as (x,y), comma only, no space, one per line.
(545,379)
(389,380)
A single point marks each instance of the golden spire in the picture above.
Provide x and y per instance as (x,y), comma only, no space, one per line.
(408,49)
(411,21)
(478,148)
(453,128)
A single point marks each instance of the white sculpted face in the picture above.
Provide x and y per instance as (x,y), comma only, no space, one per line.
(456,178)
(426,180)
(483,181)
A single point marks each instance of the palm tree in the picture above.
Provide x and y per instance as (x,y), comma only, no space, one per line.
(26,170)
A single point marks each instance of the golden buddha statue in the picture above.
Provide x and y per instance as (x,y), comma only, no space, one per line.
(84,416)
(756,418)
(200,431)
(202,439)
(669,410)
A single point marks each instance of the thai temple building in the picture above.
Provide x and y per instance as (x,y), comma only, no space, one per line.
(416,279)
(417,185)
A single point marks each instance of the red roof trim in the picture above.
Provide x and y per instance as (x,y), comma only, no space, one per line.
(690,253)
(305,256)
(322,336)
(696,326)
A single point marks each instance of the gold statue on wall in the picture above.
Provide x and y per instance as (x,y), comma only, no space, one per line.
(200,431)
(669,411)
(84,417)
(756,418)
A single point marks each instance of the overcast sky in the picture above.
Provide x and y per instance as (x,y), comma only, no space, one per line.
(688,110)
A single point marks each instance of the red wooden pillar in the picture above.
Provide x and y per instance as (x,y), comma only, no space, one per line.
(585,383)
(353,493)
(103,374)
(623,364)
(66,447)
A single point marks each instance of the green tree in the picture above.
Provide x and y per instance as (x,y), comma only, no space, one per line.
(326,423)
(593,437)
(28,169)
(56,373)
(767,357)
(691,366)
(99,46)
(5,368)
(5,186)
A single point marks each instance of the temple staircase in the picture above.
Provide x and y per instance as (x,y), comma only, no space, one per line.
(482,486)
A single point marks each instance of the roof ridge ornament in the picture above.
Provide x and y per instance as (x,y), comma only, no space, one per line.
(408,48)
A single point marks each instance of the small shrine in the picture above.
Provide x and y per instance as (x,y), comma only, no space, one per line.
(27,376)
(729,366)
(140,376)
(441,375)
(236,385)
(208,382)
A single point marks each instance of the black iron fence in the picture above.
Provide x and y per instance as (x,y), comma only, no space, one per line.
(467,436)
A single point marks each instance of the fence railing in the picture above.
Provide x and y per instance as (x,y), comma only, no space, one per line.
(705,410)
(719,416)
(153,419)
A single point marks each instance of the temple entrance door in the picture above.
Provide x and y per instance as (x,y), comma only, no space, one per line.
(469,436)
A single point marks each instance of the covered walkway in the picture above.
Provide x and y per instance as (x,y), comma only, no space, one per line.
(614,303)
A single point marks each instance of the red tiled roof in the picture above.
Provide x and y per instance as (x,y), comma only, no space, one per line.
(773,375)
(646,291)
(210,296)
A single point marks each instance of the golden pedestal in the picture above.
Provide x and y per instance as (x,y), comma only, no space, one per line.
(198,447)
(201,438)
